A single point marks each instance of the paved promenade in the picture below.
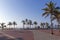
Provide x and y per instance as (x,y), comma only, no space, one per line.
(18,35)
(38,35)
(27,35)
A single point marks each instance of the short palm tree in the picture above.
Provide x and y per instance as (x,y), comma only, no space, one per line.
(14,23)
(47,25)
(30,22)
(10,24)
(3,25)
(26,22)
(35,23)
(23,23)
(42,24)
(49,10)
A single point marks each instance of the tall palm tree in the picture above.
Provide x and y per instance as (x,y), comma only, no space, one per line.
(23,23)
(49,10)
(3,25)
(10,24)
(30,22)
(14,23)
(35,23)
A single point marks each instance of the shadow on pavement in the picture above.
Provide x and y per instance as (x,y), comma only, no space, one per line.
(6,38)
(19,39)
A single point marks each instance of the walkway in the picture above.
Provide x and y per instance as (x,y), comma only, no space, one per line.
(38,35)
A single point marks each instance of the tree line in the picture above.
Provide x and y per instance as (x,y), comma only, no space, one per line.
(29,24)
(2,25)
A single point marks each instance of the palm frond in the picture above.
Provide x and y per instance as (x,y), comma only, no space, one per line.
(45,13)
(53,18)
(45,9)
(57,8)
(50,5)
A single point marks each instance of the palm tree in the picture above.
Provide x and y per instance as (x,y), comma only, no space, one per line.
(30,22)
(47,25)
(2,25)
(49,10)
(14,23)
(26,21)
(35,23)
(9,24)
(23,23)
(42,24)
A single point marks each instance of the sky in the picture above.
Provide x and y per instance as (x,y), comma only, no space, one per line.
(18,10)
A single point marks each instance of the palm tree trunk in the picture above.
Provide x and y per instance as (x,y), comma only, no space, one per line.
(9,26)
(30,26)
(51,26)
(23,26)
(35,26)
(2,28)
(43,26)
(14,26)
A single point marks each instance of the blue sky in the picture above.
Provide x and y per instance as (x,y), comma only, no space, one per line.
(18,10)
